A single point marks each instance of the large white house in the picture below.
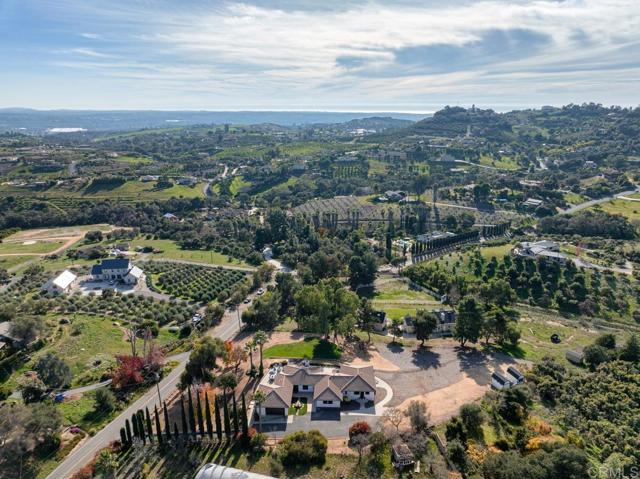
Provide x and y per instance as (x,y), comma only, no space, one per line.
(61,283)
(121,270)
(323,387)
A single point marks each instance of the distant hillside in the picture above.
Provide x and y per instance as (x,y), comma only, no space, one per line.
(455,121)
(38,121)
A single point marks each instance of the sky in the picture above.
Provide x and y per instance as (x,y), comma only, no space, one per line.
(346,55)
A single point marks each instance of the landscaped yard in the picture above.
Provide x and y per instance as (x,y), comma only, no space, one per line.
(397,298)
(309,348)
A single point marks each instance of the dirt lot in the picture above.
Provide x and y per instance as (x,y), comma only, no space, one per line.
(443,375)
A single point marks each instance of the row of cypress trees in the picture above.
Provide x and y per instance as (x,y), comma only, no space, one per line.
(195,421)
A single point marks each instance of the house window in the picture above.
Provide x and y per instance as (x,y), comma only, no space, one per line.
(327,402)
(305,387)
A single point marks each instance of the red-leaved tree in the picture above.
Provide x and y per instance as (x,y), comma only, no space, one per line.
(129,371)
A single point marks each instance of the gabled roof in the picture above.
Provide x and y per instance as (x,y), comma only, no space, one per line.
(64,279)
(136,272)
(515,373)
(120,263)
(278,393)
(500,378)
(365,373)
(96,270)
(326,390)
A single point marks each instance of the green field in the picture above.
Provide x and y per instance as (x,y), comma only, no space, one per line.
(129,191)
(628,209)
(397,299)
(310,348)
(574,198)
(134,160)
(8,262)
(38,247)
(171,250)
(504,162)
(237,184)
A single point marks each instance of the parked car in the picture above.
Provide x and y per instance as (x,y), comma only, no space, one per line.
(260,292)
(247,300)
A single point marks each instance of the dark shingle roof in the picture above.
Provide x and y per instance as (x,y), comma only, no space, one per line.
(115,264)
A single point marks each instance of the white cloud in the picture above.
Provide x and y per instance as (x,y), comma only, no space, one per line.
(288,55)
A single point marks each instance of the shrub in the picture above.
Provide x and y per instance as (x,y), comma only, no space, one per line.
(359,428)
(258,441)
(303,448)
(104,400)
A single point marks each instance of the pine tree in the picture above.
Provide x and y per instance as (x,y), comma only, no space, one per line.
(149,427)
(236,426)
(158,429)
(199,414)
(216,411)
(192,416)
(245,423)
(167,423)
(183,417)
(227,419)
(207,413)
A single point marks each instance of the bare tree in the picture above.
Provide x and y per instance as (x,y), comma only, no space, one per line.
(393,416)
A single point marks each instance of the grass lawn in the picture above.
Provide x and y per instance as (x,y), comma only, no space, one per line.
(310,348)
(38,247)
(298,412)
(171,250)
(628,209)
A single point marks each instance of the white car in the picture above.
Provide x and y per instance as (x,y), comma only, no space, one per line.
(260,292)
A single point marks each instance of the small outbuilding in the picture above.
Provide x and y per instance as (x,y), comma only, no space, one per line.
(402,455)
(499,381)
(61,283)
(515,376)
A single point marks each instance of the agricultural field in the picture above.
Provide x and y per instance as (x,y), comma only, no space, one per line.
(343,205)
(377,167)
(350,170)
(194,282)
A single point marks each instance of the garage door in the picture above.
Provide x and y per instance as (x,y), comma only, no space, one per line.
(274,411)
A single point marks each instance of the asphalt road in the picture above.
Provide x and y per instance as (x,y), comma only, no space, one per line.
(227,329)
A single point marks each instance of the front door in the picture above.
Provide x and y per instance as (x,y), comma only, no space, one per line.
(361,394)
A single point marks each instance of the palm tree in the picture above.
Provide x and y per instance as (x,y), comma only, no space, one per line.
(259,397)
(250,347)
(260,338)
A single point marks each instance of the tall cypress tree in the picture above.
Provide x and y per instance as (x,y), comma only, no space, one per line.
(207,414)
(199,414)
(227,420)
(245,423)
(140,416)
(149,427)
(134,422)
(192,416)
(176,433)
(183,417)
(127,428)
(167,423)
(123,438)
(158,429)
(216,411)
(236,426)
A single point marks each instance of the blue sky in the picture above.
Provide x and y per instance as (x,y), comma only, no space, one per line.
(317,55)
